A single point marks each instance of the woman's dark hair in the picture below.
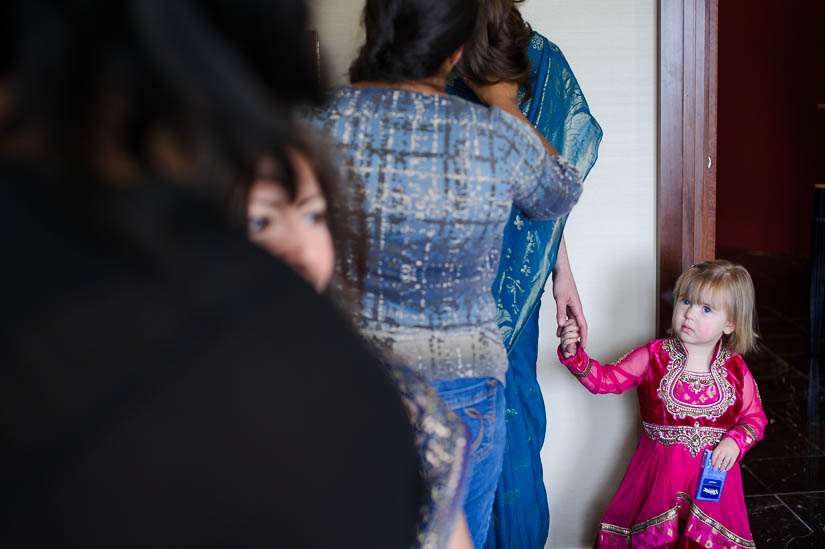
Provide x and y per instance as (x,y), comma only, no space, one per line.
(347,224)
(410,39)
(498,49)
(218,77)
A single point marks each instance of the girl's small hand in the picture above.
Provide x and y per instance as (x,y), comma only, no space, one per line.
(569,337)
(724,455)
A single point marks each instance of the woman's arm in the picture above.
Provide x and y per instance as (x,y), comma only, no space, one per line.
(460,538)
(568,303)
(504,95)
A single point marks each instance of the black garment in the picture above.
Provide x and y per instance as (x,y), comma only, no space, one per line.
(164,383)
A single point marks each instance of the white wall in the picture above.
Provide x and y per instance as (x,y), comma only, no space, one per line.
(338,23)
(611,235)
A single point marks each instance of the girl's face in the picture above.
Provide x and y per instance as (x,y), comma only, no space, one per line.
(700,324)
(293,230)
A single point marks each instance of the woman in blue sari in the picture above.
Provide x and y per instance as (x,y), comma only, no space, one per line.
(506,49)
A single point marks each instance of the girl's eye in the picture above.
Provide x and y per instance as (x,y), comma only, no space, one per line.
(257,224)
(315,218)
(685,302)
(707,309)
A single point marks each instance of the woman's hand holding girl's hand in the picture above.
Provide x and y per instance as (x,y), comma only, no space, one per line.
(569,337)
(724,455)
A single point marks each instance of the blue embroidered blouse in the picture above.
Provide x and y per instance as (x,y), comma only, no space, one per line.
(433,179)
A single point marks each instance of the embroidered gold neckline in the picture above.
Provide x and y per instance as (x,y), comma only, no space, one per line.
(676,371)
(697,381)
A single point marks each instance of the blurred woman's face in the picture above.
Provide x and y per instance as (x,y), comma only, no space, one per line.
(293,230)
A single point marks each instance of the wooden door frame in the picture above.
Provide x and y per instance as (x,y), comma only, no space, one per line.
(686,213)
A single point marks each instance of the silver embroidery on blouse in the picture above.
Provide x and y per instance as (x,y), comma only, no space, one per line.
(433,179)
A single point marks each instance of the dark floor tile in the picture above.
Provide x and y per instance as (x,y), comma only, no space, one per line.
(811,509)
(752,486)
(790,402)
(812,541)
(766,365)
(772,523)
(794,314)
(788,345)
(782,440)
(790,474)
(801,362)
(790,386)
(778,327)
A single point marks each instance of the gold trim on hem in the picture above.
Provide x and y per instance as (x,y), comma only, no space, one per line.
(671,514)
(704,517)
(613,529)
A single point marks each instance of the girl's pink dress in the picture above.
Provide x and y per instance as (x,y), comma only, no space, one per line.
(682,414)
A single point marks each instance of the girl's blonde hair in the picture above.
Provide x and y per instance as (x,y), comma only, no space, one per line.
(731,285)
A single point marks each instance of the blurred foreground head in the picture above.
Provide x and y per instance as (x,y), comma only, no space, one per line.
(184,89)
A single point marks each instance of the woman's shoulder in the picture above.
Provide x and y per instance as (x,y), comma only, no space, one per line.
(374,102)
(399,98)
(538,42)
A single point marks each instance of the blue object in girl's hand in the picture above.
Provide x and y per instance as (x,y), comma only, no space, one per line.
(711,482)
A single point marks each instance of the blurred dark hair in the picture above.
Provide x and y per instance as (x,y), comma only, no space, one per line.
(218,76)
(316,155)
(410,39)
(498,49)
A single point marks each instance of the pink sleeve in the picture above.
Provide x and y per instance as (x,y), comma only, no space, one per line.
(750,426)
(608,378)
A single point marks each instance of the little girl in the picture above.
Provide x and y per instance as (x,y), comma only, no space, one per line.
(695,392)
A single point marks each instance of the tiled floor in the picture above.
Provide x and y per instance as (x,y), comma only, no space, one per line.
(784,474)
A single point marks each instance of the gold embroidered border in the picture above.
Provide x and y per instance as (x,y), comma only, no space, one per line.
(586,370)
(697,381)
(613,529)
(693,438)
(670,514)
(702,516)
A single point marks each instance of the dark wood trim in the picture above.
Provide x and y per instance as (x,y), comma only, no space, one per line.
(688,31)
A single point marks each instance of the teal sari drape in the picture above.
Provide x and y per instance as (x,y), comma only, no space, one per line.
(558,109)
